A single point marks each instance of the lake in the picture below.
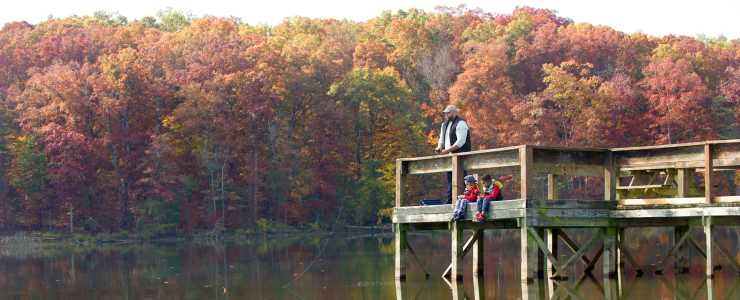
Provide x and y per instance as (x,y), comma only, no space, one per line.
(320,267)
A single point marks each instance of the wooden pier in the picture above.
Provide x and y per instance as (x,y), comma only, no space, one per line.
(667,186)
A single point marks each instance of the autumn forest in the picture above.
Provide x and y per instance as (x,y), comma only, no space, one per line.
(179,124)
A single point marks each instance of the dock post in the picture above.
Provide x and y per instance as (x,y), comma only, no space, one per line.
(551,236)
(707,223)
(610,266)
(479,255)
(532,264)
(401,249)
(456,242)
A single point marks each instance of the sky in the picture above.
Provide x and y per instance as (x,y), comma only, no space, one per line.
(655,17)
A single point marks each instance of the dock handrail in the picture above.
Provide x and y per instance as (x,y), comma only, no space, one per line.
(676,160)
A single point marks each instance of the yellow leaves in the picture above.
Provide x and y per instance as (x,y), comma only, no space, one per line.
(571,84)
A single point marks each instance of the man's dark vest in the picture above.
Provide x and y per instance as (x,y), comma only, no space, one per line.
(453,135)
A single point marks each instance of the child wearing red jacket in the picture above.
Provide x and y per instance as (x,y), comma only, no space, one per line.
(471,195)
(491,192)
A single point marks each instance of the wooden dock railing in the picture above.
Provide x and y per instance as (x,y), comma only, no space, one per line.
(667,168)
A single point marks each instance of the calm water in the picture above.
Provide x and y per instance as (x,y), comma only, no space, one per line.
(359,267)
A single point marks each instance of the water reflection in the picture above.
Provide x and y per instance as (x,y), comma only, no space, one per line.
(321,267)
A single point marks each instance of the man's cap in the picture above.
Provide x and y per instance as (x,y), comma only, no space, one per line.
(450,108)
(469,179)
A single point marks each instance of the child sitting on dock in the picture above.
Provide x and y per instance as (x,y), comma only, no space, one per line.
(491,192)
(471,195)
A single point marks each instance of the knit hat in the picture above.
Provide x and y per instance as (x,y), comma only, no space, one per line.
(470,179)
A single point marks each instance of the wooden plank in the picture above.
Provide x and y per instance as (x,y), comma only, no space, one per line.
(492,160)
(681,157)
(569,213)
(525,176)
(726,155)
(424,209)
(571,204)
(661,201)
(675,212)
(725,199)
(647,186)
(708,173)
(430,166)
(569,162)
(568,222)
(400,180)
(568,169)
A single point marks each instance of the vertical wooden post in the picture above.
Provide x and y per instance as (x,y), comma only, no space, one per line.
(401,293)
(479,287)
(457,179)
(479,254)
(681,261)
(401,249)
(610,178)
(525,171)
(620,263)
(400,180)
(456,242)
(532,264)
(707,173)
(707,223)
(609,259)
(551,235)
(683,181)
(609,256)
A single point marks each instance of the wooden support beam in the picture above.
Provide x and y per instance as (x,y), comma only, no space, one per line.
(532,266)
(609,258)
(610,178)
(731,258)
(677,245)
(469,244)
(400,180)
(401,289)
(708,173)
(525,172)
(551,234)
(457,177)
(684,179)
(707,224)
(479,287)
(416,259)
(400,234)
(479,254)
(568,242)
(457,252)
(681,263)
(629,258)
(578,254)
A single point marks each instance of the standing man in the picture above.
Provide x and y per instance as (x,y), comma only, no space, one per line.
(454,137)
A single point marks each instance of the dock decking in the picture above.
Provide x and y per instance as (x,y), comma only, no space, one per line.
(669,185)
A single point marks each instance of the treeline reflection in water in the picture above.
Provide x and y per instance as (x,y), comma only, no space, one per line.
(329,267)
